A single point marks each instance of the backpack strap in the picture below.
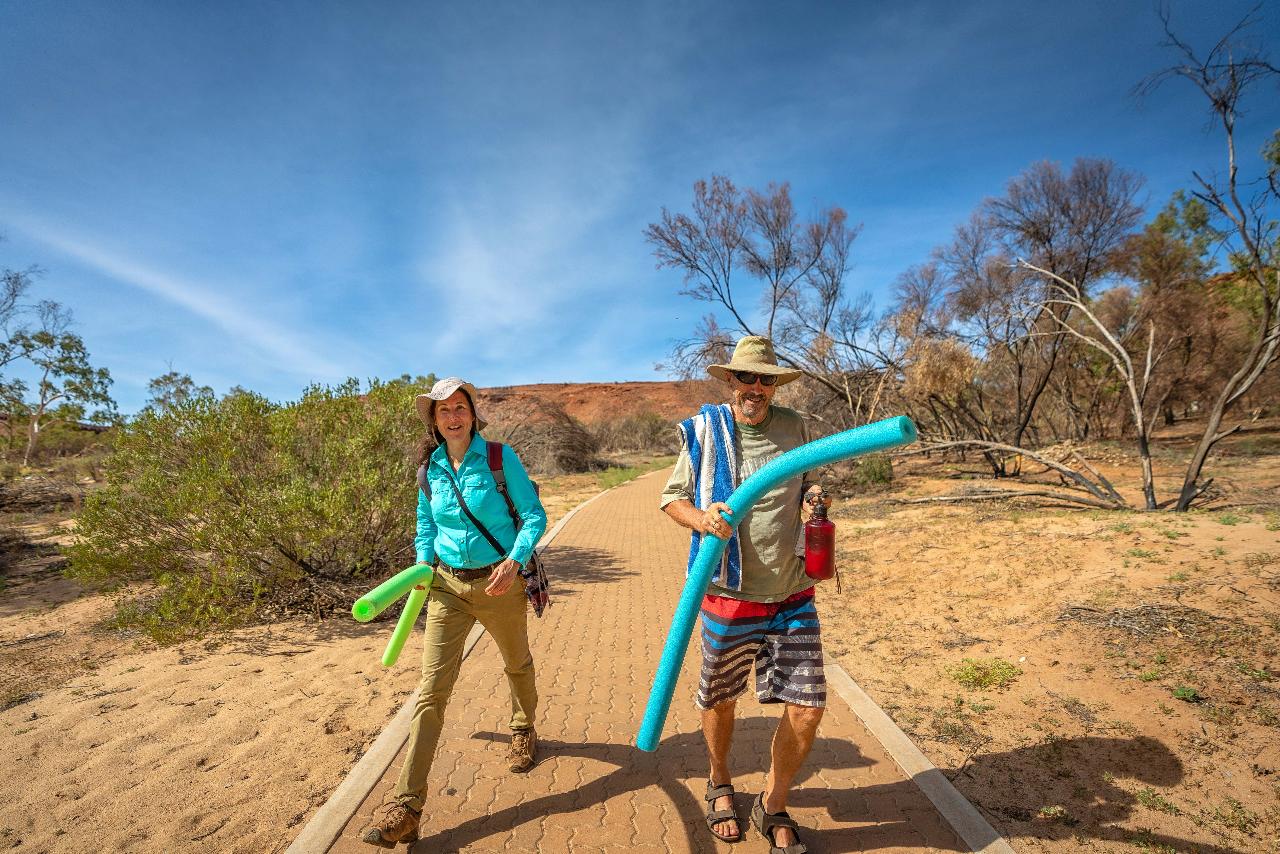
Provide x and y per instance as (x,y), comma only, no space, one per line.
(423,484)
(495,465)
(500,478)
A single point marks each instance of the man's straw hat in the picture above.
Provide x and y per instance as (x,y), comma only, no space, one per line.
(754,354)
(426,403)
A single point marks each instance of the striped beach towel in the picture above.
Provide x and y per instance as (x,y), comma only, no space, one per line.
(709,438)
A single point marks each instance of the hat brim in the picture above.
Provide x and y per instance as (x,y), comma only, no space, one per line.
(784,375)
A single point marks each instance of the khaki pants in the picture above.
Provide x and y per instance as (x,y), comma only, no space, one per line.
(453,607)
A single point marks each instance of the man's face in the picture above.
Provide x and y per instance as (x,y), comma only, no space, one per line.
(750,400)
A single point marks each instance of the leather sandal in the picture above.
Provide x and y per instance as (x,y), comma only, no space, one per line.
(765,823)
(715,816)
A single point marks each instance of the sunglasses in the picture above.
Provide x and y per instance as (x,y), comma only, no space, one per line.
(748,378)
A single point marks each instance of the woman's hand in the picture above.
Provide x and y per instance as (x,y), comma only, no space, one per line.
(501,577)
(713,523)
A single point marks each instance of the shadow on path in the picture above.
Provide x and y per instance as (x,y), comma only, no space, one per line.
(571,567)
(667,767)
(1144,759)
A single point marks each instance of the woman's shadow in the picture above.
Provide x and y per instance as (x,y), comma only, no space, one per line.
(682,757)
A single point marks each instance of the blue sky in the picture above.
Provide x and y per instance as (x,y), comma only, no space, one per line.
(276,194)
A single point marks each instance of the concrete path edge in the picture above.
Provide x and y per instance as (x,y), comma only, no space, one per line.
(319,833)
(963,816)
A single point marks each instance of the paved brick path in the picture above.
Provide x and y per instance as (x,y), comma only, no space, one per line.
(618,571)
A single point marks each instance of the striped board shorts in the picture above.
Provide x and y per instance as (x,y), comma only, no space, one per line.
(783,640)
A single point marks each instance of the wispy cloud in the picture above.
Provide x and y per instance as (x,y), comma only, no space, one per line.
(290,352)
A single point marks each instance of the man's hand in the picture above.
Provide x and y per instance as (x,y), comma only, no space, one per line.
(812,496)
(713,523)
(501,577)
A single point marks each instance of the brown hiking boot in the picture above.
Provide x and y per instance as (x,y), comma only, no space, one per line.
(399,823)
(524,746)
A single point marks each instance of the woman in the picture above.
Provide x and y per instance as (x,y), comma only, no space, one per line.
(473,581)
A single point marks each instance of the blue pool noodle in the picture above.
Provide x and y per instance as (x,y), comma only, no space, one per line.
(880,436)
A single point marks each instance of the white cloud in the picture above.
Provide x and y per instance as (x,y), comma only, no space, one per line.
(290,351)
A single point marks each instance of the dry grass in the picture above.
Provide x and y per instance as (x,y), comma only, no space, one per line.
(1147,712)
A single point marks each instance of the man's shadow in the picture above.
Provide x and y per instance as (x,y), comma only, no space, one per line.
(1099,762)
(1093,766)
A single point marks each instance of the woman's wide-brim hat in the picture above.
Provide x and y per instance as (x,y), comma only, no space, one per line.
(754,354)
(426,403)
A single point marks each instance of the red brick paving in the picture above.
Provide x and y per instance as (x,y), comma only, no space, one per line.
(617,571)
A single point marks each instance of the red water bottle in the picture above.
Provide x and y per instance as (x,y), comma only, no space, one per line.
(819,544)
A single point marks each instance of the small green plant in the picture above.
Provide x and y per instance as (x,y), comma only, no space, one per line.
(1150,799)
(1187,694)
(1260,560)
(1255,673)
(1149,676)
(1056,812)
(1140,553)
(1178,576)
(1144,840)
(1161,658)
(1122,528)
(1232,518)
(1266,716)
(984,673)
(1218,714)
(1172,534)
(1235,815)
(1163,709)
(1218,551)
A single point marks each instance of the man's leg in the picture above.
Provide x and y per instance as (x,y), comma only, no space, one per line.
(790,672)
(717,729)
(792,741)
(730,641)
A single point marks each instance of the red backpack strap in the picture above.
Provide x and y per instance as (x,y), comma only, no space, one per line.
(495,465)
(500,478)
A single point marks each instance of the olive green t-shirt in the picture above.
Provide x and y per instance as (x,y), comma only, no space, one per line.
(771,532)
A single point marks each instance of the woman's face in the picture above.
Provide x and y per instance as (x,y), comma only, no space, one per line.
(453,416)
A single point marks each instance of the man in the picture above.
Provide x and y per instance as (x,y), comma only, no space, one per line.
(759,608)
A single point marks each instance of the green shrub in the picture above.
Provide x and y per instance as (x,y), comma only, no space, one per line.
(222,502)
(873,469)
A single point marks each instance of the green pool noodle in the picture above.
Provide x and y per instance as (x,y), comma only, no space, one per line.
(404,627)
(880,436)
(385,594)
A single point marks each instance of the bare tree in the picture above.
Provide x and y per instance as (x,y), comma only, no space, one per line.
(1067,224)
(774,274)
(1137,376)
(1231,68)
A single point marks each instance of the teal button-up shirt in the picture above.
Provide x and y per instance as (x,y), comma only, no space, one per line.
(444,530)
